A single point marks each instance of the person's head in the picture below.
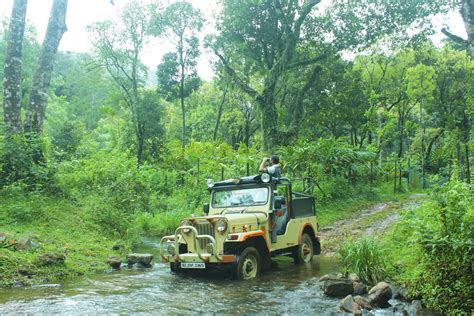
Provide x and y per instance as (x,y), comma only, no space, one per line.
(274,160)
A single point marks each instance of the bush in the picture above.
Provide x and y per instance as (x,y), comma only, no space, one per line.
(446,237)
(365,258)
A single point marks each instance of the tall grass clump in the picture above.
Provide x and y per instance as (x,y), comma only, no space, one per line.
(365,258)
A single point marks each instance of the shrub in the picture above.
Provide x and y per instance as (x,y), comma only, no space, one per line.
(446,237)
(365,258)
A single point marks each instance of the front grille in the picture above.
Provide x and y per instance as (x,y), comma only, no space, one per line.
(204,229)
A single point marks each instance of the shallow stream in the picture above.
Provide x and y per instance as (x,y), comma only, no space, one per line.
(285,289)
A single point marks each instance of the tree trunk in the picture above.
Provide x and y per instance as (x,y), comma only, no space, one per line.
(269,119)
(42,77)
(468,164)
(467,12)
(12,70)
(219,114)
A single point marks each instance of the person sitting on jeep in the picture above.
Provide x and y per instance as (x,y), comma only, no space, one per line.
(271,166)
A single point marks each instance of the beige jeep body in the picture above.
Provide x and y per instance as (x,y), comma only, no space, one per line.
(248,221)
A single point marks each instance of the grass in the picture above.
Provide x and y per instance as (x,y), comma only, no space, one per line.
(58,226)
(336,210)
(365,258)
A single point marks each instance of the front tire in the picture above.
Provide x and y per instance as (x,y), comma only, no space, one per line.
(248,264)
(304,253)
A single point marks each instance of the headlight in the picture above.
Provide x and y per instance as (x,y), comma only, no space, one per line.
(266,177)
(186,223)
(171,249)
(221,226)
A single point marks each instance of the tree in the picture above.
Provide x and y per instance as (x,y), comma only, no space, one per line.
(177,74)
(118,46)
(42,77)
(267,39)
(467,13)
(12,69)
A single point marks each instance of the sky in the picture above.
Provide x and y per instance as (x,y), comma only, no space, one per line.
(82,13)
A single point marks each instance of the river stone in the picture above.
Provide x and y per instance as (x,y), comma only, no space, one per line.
(143,259)
(363,302)
(380,294)
(114,262)
(359,288)
(52,258)
(354,277)
(337,288)
(346,304)
(332,276)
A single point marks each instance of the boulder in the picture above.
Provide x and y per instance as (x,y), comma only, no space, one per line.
(359,288)
(380,294)
(347,305)
(52,258)
(400,293)
(24,243)
(362,302)
(114,262)
(332,276)
(337,288)
(354,277)
(142,259)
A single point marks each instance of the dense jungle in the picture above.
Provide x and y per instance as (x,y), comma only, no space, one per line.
(366,103)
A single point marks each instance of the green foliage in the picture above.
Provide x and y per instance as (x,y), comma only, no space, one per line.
(433,249)
(365,258)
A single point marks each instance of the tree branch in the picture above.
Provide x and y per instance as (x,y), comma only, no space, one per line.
(453,37)
(306,62)
(242,85)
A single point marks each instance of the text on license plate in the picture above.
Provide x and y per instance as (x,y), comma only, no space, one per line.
(193,265)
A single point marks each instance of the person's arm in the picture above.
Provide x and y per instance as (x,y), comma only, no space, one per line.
(263,165)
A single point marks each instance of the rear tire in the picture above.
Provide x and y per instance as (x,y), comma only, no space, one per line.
(248,264)
(304,253)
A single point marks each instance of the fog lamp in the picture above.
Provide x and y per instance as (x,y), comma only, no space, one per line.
(210,183)
(266,177)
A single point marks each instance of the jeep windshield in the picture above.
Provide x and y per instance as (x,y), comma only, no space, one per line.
(240,197)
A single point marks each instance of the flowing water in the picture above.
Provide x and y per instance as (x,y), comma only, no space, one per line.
(284,289)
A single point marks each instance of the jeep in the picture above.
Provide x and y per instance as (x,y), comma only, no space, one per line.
(248,221)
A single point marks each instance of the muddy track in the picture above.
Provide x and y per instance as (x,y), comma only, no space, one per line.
(372,221)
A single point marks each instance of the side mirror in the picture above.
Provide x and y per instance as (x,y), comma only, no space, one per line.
(206,208)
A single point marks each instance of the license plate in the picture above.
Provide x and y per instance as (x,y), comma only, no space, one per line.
(193,265)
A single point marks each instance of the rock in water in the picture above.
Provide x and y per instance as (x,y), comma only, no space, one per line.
(380,294)
(114,262)
(337,288)
(362,302)
(52,258)
(347,305)
(359,288)
(143,259)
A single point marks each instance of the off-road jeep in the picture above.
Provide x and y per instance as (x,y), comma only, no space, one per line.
(248,221)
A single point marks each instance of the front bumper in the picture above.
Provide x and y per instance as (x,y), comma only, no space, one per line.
(200,255)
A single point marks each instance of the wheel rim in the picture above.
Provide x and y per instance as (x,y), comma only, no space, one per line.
(249,267)
(306,252)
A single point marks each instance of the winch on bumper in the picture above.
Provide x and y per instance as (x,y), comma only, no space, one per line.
(200,246)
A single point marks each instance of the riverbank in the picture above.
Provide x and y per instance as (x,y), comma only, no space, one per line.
(44,239)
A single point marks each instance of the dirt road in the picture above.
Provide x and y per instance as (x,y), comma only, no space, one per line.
(366,222)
